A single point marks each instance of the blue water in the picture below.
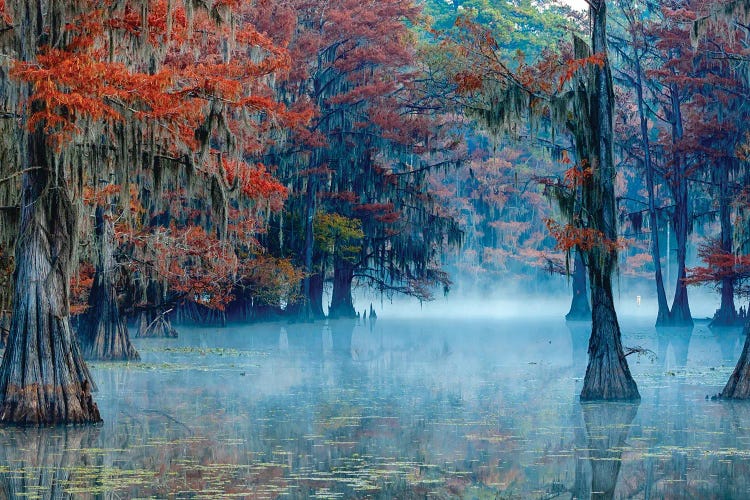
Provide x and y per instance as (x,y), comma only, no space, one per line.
(396,409)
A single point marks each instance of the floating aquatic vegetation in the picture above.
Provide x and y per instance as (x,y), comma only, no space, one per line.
(302,424)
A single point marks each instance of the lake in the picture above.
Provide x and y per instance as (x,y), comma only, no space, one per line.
(397,409)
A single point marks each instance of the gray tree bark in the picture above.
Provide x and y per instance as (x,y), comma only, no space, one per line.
(43,377)
(342,305)
(738,386)
(607,375)
(103,332)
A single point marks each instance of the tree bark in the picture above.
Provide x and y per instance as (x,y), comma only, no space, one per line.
(662,316)
(680,313)
(607,375)
(726,315)
(43,377)
(191,313)
(342,305)
(580,310)
(103,332)
(4,328)
(316,296)
(307,310)
(738,386)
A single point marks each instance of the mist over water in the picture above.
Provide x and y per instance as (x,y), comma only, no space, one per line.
(401,407)
(631,301)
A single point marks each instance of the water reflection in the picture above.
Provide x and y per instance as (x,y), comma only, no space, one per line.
(341,336)
(580,332)
(407,409)
(729,340)
(676,339)
(49,463)
(607,428)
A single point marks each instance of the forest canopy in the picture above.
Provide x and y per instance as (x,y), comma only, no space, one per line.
(171,161)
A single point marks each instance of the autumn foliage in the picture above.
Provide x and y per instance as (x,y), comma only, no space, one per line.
(720,265)
(569,237)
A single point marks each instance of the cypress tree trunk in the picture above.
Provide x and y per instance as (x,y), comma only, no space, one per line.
(663,316)
(307,311)
(342,305)
(738,386)
(4,328)
(727,313)
(103,332)
(680,313)
(607,375)
(43,378)
(580,310)
(191,313)
(6,284)
(316,296)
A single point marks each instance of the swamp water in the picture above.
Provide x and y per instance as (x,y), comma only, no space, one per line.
(396,409)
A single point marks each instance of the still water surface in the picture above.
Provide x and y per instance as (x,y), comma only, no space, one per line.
(396,409)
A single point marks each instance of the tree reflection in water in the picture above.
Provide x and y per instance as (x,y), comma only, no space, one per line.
(399,409)
(48,463)
(607,429)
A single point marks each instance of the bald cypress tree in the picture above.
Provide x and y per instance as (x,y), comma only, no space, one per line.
(109,87)
(577,98)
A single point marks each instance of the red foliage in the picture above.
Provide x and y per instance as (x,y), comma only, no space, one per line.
(577,175)
(720,265)
(389,217)
(374,208)
(94,197)
(255,182)
(83,82)
(80,285)
(569,237)
(573,66)
(468,82)
(198,267)
(4,14)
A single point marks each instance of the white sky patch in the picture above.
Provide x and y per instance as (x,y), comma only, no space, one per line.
(577,4)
